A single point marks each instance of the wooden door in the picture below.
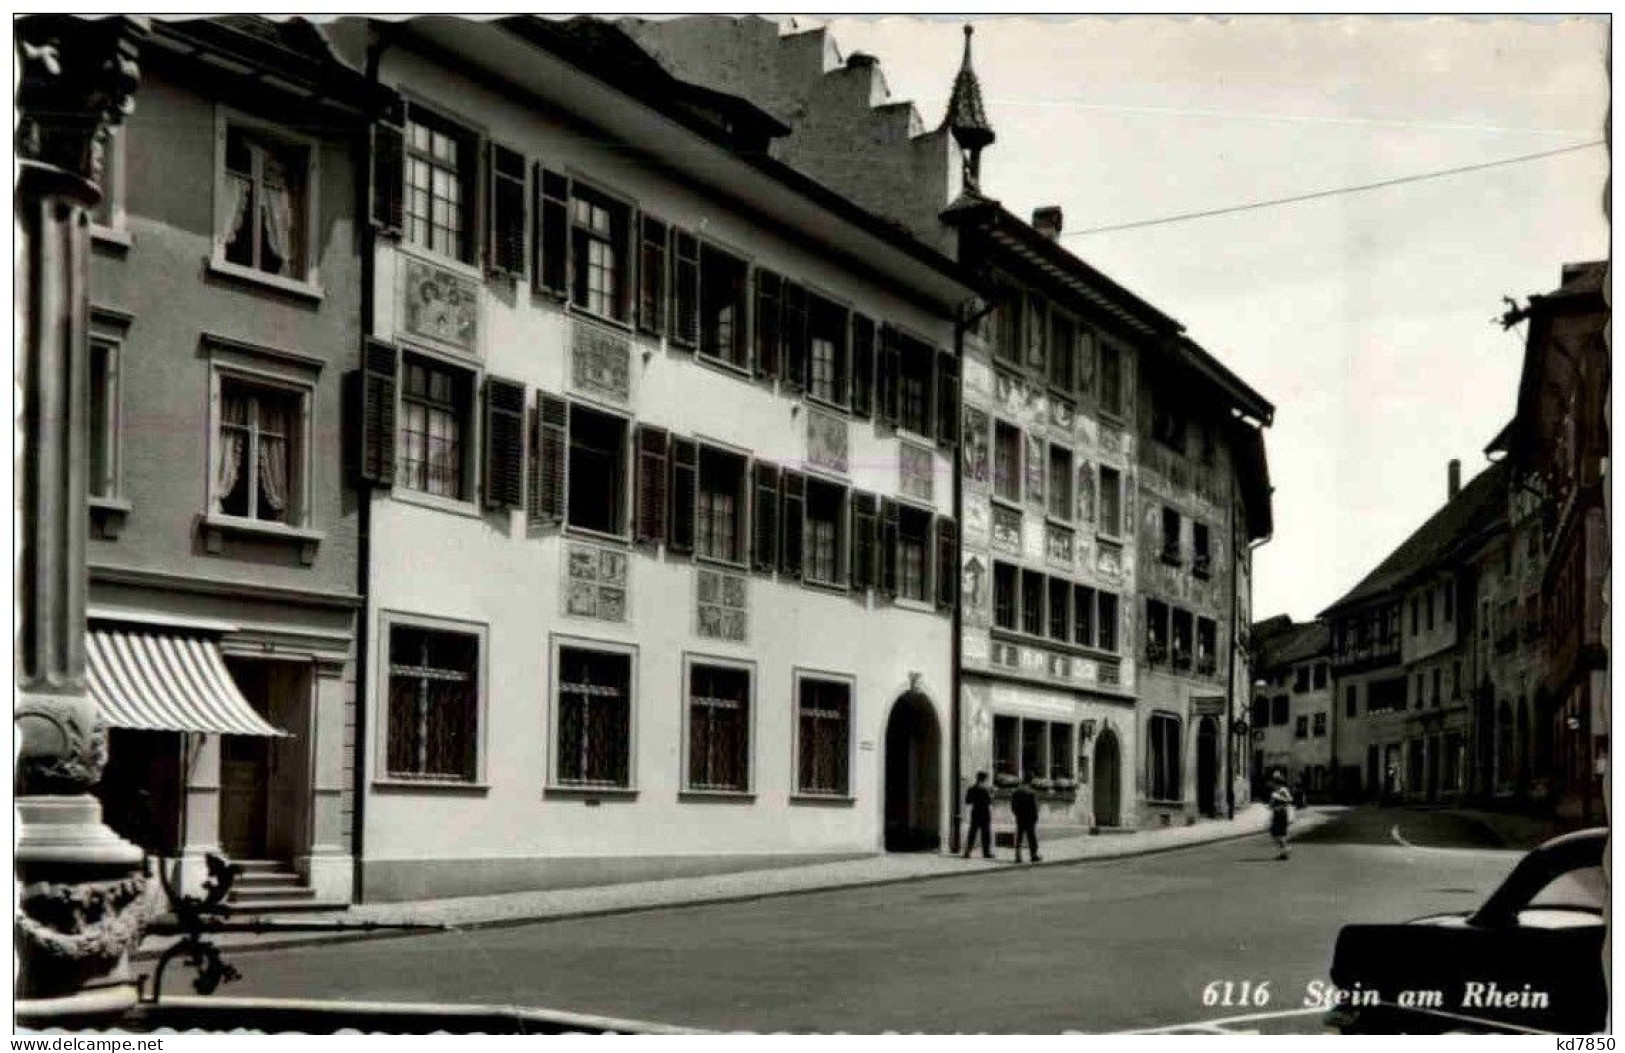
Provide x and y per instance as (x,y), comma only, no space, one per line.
(244,778)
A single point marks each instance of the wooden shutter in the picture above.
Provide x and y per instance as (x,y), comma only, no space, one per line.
(505,229)
(792,513)
(685,289)
(769,331)
(551,273)
(650,496)
(862,563)
(795,335)
(863,366)
(504,480)
(947,398)
(947,562)
(371,397)
(685,473)
(654,246)
(886,368)
(387,187)
(886,547)
(765,518)
(552,448)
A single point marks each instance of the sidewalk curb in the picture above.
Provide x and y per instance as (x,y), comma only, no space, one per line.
(322,939)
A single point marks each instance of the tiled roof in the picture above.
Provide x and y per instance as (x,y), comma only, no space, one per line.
(1476,507)
(1277,645)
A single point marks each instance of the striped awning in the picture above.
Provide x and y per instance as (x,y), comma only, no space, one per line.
(166,681)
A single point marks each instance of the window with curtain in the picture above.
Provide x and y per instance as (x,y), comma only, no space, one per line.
(103,420)
(594,714)
(433,704)
(435,411)
(256,464)
(599,240)
(720,506)
(265,202)
(825,538)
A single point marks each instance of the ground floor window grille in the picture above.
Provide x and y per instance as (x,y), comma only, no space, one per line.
(433,704)
(718,729)
(823,737)
(594,715)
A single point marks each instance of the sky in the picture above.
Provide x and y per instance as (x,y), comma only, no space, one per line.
(1368,319)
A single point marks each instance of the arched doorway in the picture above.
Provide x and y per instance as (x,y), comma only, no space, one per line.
(913,776)
(1207,767)
(1108,779)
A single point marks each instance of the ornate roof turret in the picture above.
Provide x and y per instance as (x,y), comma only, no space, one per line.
(966,118)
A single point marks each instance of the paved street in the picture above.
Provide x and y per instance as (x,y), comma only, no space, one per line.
(1102,946)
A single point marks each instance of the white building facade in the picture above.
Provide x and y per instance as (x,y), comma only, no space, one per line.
(660,439)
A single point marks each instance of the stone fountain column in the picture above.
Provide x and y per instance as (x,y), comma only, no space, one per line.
(83,896)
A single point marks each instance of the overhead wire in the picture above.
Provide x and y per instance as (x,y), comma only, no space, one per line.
(1319,194)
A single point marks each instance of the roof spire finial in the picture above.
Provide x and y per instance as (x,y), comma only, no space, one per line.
(966,118)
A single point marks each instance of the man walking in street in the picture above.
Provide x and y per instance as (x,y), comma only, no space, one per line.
(979,799)
(1280,815)
(1024,806)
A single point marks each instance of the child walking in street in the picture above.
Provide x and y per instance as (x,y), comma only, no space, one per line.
(1280,814)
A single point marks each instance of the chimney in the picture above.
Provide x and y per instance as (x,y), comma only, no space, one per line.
(1047,221)
(1455,478)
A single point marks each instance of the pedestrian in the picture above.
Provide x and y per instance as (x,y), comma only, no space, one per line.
(979,799)
(1024,806)
(1280,815)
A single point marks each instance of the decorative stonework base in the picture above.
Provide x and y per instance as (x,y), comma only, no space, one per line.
(83,905)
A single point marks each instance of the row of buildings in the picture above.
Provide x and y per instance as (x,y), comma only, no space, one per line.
(533,452)
(1471,664)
